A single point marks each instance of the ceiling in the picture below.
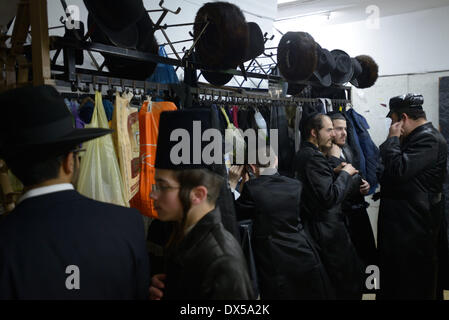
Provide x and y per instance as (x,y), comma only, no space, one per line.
(353,10)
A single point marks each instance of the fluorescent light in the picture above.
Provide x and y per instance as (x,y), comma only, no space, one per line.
(285,1)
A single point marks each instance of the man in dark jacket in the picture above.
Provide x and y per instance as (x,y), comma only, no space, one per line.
(203,260)
(354,206)
(58,244)
(324,190)
(410,214)
(272,202)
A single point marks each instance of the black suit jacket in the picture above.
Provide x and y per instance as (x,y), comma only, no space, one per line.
(44,235)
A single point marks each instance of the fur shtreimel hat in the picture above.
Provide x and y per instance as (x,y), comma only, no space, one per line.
(297,56)
(223,44)
(369,74)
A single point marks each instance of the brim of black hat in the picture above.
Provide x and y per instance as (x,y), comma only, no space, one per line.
(343,78)
(389,114)
(57,146)
(325,80)
(217,78)
(355,82)
(256,45)
(125,38)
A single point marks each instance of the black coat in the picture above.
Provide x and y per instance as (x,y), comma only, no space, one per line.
(45,234)
(356,215)
(207,265)
(287,262)
(410,214)
(323,193)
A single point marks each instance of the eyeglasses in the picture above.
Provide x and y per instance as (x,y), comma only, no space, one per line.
(80,152)
(158,188)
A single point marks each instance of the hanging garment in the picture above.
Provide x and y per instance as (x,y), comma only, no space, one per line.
(298,117)
(368,148)
(100,178)
(74,109)
(225,199)
(353,141)
(125,123)
(234,142)
(148,129)
(164,73)
(235,110)
(279,122)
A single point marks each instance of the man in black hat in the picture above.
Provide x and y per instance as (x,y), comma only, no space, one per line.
(58,244)
(324,189)
(410,214)
(203,260)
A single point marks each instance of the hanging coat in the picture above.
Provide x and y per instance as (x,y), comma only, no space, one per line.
(321,200)
(367,147)
(410,213)
(287,262)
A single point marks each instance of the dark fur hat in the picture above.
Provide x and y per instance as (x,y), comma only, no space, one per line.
(223,44)
(297,56)
(370,71)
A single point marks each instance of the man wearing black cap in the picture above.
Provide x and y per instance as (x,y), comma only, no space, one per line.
(324,189)
(58,244)
(410,214)
(203,260)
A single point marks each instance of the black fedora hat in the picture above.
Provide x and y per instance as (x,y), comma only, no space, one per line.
(36,120)
(224,43)
(357,67)
(326,64)
(125,67)
(343,67)
(184,119)
(256,44)
(117,19)
(297,56)
(370,72)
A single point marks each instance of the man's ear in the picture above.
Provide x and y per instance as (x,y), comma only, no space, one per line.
(313,133)
(404,117)
(68,164)
(198,195)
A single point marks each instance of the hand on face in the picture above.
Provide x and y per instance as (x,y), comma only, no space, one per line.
(396,129)
(235,172)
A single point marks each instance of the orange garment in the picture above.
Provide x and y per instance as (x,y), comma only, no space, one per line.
(148,131)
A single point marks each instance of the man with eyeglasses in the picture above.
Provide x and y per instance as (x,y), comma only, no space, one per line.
(58,244)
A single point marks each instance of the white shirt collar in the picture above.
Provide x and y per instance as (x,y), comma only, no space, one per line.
(44,190)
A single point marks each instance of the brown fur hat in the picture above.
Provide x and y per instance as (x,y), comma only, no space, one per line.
(297,56)
(223,44)
(370,71)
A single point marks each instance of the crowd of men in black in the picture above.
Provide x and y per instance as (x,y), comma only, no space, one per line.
(58,244)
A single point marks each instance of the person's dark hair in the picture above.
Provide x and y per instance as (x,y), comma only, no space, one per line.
(413,114)
(189,179)
(315,122)
(337,116)
(31,172)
